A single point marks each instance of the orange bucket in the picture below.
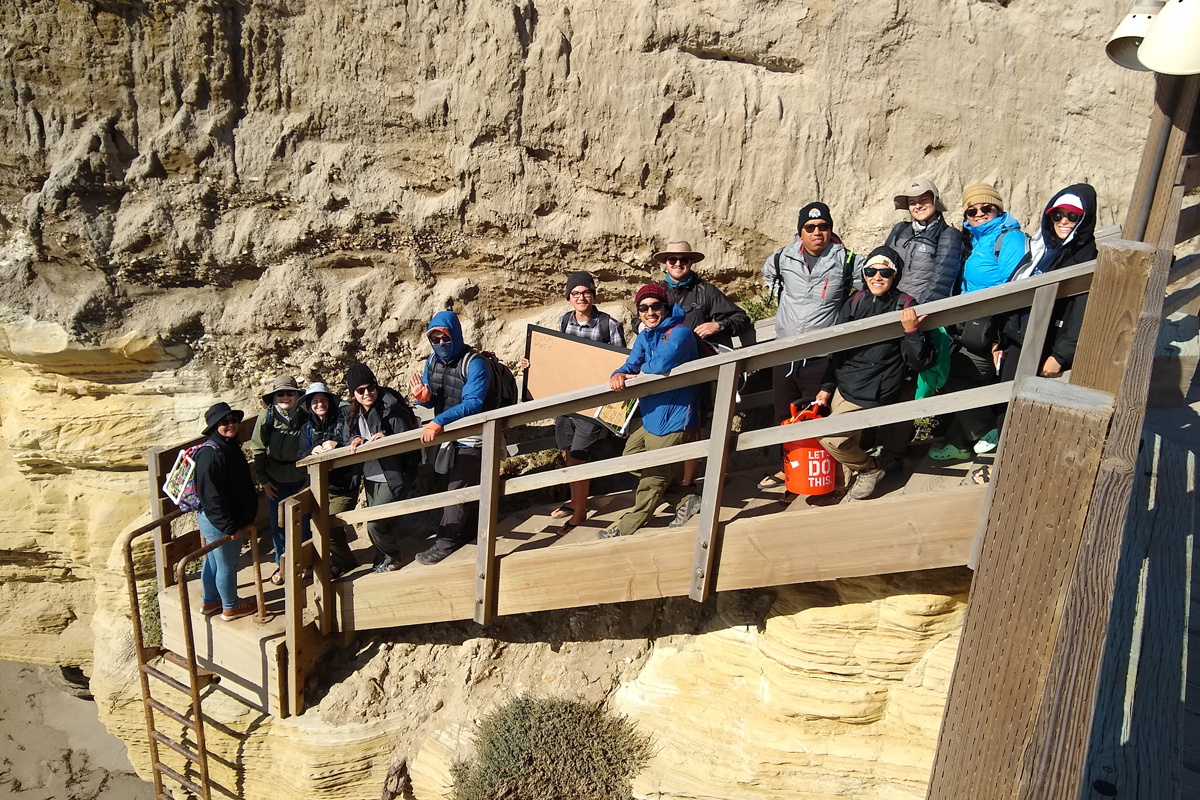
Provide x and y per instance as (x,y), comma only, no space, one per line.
(808,468)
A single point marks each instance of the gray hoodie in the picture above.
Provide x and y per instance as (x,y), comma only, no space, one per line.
(810,300)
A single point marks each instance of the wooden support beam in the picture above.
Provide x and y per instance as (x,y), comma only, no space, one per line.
(1118,287)
(322,577)
(1189,224)
(1040,313)
(159,504)
(490,489)
(1164,88)
(294,509)
(1043,483)
(611,466)
(1136,732)
(886,535)
(708,535)
(411,506)
(1189,173)
(1161,213)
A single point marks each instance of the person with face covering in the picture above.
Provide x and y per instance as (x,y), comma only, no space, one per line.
(228,506)
(455,384)
(930,248)
(873,375)
(275,446)
(576,435)
(323,430)
(375,412)
(668,418)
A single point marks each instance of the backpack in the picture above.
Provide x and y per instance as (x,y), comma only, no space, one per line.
(978,335)
(703,348)
(502,389)
(605,330)
(1026,259)
(180,485)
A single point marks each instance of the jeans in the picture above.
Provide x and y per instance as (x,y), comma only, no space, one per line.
(218,576)
(282,492)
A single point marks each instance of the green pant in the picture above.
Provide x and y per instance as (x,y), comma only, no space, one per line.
(657,483)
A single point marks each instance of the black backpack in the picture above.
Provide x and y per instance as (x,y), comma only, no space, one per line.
(502,389)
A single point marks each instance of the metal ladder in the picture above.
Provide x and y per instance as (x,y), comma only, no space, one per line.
(197,680)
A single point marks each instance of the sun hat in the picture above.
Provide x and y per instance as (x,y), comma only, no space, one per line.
(916,188)
(281,382)
(678,247)
(218,412)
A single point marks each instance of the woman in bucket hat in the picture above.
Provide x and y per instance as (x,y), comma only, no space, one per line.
(931,248)
(275,446)
(228,506)
(325,415)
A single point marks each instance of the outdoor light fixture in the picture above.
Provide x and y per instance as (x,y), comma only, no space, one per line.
(1123,46)
(1172,45)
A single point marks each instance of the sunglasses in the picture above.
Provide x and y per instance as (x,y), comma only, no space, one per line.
(677,260)
(1057,216)
(438,338)
(883,272)
(228,420)
(370,388)
(813,227)
(655,306)
(980,211)
(285,393)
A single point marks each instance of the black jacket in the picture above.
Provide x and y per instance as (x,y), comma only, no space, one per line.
(874,375)
(390,414)
(702,302)
(933,259)
(1063,336)
(315,431)
(224,487)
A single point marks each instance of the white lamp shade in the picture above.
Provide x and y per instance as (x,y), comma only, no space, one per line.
(1172,45)
(1123,46)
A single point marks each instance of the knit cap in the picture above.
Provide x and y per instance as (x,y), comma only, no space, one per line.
(652,290)
(584,279)
(359,375)
(981,193)
(814,211)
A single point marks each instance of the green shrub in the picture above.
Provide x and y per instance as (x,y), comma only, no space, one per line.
(151,616)
(761,307)
(552,749)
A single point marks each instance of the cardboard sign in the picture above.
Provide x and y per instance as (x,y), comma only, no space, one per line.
(560,363)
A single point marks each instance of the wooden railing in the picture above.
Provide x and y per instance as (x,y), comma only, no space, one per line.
(1039,293)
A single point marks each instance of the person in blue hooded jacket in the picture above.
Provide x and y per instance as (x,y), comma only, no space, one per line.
(456,384)
(668,418)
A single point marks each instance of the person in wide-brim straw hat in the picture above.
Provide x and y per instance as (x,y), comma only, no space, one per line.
(678,247)
(931,249)
(275,446)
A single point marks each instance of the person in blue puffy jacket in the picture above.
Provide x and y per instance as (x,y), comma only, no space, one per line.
(668,418)
(998,247)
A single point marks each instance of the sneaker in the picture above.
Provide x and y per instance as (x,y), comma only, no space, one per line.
(387,565)
(436,553)
(244,608)
(949,452)
(208,609)
(865,484)
(611,533)
(689,508)
(989,442)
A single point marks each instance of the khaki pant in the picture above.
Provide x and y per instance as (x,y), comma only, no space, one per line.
(845,447)
(656,482)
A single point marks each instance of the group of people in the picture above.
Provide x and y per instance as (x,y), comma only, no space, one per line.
(817,282)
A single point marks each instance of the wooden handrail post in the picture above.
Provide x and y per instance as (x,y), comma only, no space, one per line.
(293,603)
(1035,333)
(158,508)
(319,485)
(708,536)
(490,490)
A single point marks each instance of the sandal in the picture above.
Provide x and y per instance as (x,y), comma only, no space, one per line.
(277,578)
(949,452)
(566,528)
(244,608)
(771,482)
(562,511)
(981,475)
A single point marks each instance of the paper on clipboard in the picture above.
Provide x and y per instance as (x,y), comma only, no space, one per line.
(618,417)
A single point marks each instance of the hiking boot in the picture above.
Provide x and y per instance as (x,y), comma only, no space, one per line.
(438,552)
(689,508)
(865,483)
(989,442)
(611,533)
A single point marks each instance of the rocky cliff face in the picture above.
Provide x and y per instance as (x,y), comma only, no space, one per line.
(196,195)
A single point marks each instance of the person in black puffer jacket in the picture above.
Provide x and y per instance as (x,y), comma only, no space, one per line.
(324,428)
(875,374)
(228,506)
(377,411)
(931,249)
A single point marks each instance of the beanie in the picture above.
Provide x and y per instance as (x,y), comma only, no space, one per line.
(359,375)
(650,290)
(583,279)
(814,211)
(981,193)
(885,256)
